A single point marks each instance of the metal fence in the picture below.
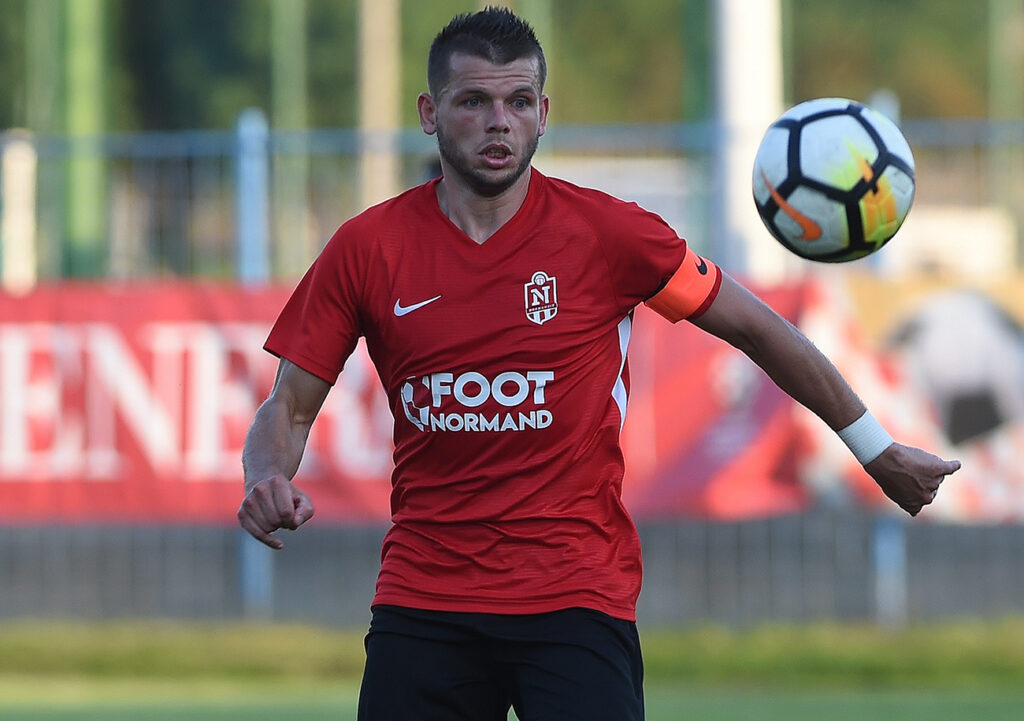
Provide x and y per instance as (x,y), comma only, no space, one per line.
(184,203)
(179,204)
(824,565)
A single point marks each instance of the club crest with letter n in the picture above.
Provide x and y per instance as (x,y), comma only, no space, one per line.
(541,298)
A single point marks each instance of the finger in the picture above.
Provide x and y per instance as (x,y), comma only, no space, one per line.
(284,505)
(252,513)
(303,509)
(262,505)
(932,486)
(252,510)
(259,534)
(275,504)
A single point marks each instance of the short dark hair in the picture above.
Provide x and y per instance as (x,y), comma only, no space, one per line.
(494,33)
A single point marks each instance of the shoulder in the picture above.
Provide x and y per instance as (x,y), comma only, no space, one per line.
(584,197)
(407,207)
(364,231)
(606,213)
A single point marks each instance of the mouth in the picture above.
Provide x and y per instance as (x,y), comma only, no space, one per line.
(497,155)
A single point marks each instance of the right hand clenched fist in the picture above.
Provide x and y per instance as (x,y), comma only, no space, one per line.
(271,504)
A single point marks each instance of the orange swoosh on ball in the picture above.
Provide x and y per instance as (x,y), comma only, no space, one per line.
(811,230)
(878,206)
(865,167)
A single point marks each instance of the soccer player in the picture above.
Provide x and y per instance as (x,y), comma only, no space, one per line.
(496,304)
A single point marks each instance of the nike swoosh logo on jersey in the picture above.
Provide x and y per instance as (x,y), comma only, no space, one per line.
(702,267)
(401,310)
(811,230)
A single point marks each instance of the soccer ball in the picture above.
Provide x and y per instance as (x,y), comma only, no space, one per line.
(833,180)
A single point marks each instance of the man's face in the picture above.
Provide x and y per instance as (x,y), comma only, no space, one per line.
(488,119)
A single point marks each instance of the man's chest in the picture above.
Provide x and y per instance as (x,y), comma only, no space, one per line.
(435,307)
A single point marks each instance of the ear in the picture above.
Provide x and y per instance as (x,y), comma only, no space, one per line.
(544,107)
(428,113)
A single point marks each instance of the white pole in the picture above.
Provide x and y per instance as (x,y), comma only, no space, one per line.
(748,81)
(379,90)
(18,167)
(1006,99)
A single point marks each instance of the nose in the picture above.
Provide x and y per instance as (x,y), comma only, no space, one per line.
(498,120)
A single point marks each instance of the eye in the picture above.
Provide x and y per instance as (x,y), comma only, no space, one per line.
(520,103)
(472,102)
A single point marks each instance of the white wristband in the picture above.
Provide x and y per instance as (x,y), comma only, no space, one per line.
(866,438)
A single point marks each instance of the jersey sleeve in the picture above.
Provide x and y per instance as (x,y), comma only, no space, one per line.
(319,326)
(690,291)
(644,252)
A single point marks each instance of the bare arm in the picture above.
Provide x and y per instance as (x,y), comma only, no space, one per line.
(788,357)
(908,476)
(273,449)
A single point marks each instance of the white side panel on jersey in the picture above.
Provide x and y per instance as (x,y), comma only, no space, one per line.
(619,389)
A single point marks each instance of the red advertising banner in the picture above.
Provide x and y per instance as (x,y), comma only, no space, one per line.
(131,403)
(707,434)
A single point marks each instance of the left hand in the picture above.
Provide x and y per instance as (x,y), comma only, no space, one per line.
(910,476)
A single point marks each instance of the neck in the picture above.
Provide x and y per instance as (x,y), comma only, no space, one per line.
(478,216)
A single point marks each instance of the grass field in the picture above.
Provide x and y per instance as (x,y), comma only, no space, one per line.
(78,700)
(147,672)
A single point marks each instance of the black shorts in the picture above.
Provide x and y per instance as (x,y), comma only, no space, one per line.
(560,666)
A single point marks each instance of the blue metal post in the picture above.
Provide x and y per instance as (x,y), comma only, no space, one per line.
(256,562)
(256,578)
(889,550)
(253,201)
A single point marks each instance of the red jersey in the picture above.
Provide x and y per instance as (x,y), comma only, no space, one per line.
(505,367)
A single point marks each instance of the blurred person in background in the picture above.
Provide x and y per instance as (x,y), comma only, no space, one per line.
(497,304)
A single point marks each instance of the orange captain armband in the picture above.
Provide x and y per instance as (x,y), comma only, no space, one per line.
(690,291)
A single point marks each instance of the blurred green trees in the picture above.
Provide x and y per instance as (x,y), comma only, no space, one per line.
(173,64)
(933,53)
(12,63)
